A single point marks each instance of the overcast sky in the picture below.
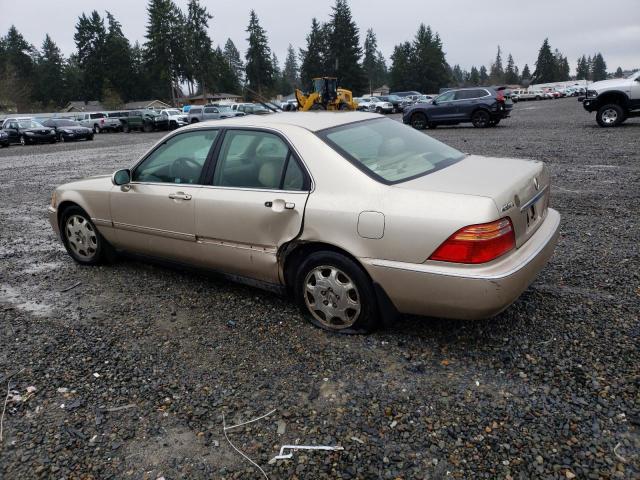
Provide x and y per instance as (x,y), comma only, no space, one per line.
(470,29)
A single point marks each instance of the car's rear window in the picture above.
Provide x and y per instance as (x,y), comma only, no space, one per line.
(97,115)
(388,150)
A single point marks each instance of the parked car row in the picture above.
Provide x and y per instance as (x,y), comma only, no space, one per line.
(546,94)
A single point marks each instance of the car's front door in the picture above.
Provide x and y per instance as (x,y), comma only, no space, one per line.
(13,129)
(154,213)
(253,204)
(444,108)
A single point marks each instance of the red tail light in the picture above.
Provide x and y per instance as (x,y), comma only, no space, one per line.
(477,243)
(500,96)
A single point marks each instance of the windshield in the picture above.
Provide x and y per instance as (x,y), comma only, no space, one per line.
(389,151)
(64,123)
(634,75)
(224,108)
(394,98)
(29,124)
(173,112)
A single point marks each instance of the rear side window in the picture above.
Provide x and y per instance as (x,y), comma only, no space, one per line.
(252,159)
(195,110)
(210,110)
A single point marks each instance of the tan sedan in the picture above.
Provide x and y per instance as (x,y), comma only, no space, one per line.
(357,216)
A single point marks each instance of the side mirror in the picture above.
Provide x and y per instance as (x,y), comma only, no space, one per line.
(433,102)
(121,177)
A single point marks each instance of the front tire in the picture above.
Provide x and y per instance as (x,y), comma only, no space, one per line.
(480,119)
(610,115)
(335,294)
(81,238)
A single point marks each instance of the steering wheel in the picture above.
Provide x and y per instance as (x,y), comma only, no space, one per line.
(184,168)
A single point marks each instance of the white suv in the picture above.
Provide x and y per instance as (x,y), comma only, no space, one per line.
(614,100)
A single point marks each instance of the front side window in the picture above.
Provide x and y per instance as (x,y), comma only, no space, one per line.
(252,159)
(389,151)
(178,160)
(28,124)
(446,97)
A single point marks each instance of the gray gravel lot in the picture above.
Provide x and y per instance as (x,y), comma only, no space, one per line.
(134,367)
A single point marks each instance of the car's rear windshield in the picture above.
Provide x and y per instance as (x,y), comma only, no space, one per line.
(389,151)
(64,123)
(97,115)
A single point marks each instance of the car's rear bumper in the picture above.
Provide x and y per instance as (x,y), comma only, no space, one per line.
(40,138)
(440,289)
(53,220)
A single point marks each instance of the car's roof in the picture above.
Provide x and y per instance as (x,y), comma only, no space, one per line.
(312,121)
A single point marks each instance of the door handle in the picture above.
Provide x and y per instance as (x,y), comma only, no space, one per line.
(180,196)
(279,205)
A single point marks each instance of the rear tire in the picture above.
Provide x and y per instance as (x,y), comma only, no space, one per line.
(23,140)
(480,119)
(419,121)
(147,127)
(125,128)
(610,115)
(335,294)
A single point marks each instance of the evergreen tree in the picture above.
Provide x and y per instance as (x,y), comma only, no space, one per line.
(72,78)
(619,73)
(561,66)
(483,75)
(545,65)
(17,65)
(290,72)
(496,74)
(458,76)
(312,59)
(598,68)
(344,51)
(474,77)
(511,74)
(259,66)
(118,62)
(199,52)
(223,77)
(90,39)
(526,73)
(374,65)
(401,72)
(232,56)
(163,48)
(50,91)
(589,67)
(431,71)
(582,70)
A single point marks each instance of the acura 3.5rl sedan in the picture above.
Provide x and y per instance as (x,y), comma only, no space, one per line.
(357,216)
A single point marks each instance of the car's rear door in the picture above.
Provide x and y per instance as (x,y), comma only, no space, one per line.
(253,202)
(154,213)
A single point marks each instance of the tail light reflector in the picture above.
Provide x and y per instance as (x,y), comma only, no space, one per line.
(477,243)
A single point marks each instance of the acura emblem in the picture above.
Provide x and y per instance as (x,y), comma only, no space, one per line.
(535,183)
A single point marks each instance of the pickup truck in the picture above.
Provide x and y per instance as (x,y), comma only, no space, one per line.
(614,100)
(146,120)
(211,112)
(98,121)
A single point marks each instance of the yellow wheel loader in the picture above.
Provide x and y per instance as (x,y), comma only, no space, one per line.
(326,96)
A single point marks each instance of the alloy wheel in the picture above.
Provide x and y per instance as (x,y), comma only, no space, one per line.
(332,297)
(609,116)
(81,237)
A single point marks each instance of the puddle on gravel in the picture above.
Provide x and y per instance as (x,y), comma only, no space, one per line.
(42,267)
(12,296)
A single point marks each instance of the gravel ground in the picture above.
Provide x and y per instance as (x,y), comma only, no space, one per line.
(134,366)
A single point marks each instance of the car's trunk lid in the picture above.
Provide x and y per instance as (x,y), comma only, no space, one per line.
(519,188)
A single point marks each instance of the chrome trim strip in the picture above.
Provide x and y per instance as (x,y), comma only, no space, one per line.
(535,198)
(102,222)
(436,270)
(155,231)
(237,245)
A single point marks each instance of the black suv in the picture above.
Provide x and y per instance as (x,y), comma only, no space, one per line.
(482,106)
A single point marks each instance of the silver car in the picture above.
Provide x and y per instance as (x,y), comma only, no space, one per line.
(357,216)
